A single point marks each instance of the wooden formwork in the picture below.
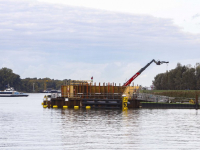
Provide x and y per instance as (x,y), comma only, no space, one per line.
(92,91)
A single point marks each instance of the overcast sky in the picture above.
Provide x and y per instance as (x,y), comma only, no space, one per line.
(108,39)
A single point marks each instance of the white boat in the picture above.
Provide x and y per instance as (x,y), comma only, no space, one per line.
(10,92)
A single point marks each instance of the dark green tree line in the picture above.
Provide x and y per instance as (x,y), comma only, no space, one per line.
(180,78)
(8,77)
(26,85)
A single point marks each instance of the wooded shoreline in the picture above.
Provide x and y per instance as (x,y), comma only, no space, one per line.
(28,85)
(180,78)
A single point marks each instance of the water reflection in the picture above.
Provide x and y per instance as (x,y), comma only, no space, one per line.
(26,124)
(134,128)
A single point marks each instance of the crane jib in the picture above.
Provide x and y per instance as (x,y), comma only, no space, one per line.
(132,78)
(141,70)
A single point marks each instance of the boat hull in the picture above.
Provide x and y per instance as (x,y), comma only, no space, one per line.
(10,92)
(13,95)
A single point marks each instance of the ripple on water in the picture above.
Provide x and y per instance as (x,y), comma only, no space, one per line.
(25,124)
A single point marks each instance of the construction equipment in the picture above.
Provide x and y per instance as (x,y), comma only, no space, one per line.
(45,84)
(141,70)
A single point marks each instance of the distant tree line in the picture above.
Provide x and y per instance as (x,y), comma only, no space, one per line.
(180,78)
(26,85)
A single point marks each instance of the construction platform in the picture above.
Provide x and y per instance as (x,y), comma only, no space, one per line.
(87,95)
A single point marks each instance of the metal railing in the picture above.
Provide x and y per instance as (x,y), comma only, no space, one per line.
(152,98)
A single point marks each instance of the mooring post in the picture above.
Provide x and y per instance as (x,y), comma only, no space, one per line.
(124,103)
(87,90)
(90,89)
(197,103)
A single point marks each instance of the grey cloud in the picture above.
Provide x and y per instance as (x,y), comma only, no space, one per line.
(40,23)
(195,16)
(47,34)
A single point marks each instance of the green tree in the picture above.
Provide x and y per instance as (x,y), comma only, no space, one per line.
(8,77)
(198,77)
(182,77)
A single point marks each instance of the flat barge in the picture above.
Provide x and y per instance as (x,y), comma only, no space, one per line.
(85,95)
(153,105)
(109,96)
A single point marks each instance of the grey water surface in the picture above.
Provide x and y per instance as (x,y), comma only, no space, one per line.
(25,124)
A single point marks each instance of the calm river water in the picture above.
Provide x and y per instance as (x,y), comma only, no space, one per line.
(25,124)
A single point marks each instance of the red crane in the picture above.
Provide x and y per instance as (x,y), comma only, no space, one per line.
(141,70)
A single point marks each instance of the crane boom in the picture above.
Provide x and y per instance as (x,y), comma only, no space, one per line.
(142,69)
